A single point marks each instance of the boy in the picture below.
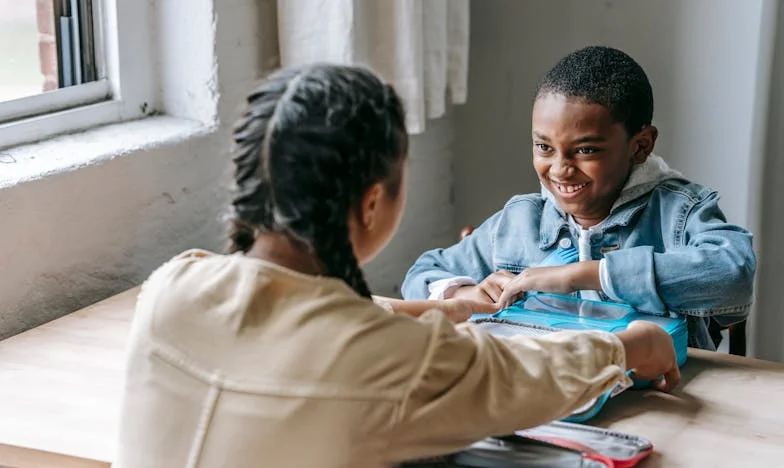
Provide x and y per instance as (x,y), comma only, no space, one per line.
(646,236)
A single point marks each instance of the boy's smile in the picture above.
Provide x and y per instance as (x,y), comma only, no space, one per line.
(582,156)
(567,190)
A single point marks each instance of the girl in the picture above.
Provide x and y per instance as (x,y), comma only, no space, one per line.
(275,355)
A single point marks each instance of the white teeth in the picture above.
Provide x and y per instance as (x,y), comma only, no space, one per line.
(569,188)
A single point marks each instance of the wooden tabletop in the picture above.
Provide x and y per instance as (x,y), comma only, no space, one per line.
(60,388)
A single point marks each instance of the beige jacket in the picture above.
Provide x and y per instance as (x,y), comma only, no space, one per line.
(236,362)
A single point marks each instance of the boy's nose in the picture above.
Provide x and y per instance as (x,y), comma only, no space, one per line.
(561,168)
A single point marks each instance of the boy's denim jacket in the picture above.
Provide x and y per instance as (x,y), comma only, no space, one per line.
(666,245)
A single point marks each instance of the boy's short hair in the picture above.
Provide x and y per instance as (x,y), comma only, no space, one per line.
(605,76)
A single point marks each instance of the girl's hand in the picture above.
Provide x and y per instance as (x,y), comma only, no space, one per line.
(489,290)
(460,310)
(650,354)
(456,310)
(559,279)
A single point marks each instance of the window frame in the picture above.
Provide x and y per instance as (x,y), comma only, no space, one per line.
(124,58)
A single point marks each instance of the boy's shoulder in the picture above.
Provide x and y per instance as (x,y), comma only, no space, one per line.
(683,188)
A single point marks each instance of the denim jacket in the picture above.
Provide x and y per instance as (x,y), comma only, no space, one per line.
(666,248)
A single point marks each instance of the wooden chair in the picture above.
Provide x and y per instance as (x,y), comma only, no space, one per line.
(737,331)
(737,334)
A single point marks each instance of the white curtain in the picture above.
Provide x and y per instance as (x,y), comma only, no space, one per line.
(419,46)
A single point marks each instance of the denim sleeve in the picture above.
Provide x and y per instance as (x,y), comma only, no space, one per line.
(472,257)
(709,273)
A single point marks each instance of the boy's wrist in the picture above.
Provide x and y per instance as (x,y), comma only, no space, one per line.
(461,291)
(585,276)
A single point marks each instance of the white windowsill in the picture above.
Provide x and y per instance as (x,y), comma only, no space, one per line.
(70,152)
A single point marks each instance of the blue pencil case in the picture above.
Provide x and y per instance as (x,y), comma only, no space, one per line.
(543,313)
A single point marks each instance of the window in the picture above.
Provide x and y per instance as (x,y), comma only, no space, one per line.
(59,66)
(47,45)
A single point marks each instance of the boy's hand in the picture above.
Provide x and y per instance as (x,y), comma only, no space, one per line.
(460,310)
(559,279)
(489,290)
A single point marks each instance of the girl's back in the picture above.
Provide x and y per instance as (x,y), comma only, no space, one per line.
(253,364)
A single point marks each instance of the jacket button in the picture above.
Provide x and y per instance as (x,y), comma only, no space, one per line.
(564,243)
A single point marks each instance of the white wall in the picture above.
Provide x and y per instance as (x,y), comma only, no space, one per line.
(81,234)
(709,64)
(769,320)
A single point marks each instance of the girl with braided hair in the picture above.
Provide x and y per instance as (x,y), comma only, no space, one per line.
(275,354)
(325,146)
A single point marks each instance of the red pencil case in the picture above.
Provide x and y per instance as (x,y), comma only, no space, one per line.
(612,448)
(556,444)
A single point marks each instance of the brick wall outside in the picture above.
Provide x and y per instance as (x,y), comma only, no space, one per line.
(47,45)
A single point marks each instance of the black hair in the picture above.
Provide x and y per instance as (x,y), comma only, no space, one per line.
(310,143)
(605,76)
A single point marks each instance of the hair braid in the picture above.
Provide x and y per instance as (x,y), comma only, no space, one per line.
(307,155)
(252,204)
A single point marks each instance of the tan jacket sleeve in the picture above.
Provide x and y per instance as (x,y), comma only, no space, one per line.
(384,303)
(472,384)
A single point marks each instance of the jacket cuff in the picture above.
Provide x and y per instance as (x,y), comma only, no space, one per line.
(619,359)
(445,288)
(604,280)
(630,277)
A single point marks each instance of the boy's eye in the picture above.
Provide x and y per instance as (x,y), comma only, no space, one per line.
(542,147)
(587,150)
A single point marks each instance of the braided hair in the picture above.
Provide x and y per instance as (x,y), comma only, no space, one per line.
(310,143)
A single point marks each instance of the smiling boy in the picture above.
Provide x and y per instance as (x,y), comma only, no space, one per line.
(646,235)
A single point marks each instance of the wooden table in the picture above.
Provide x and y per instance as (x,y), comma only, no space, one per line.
(60,386)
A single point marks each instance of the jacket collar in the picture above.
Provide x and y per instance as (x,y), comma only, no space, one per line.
(643,179)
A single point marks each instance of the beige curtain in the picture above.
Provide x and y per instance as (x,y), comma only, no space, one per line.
(420,46)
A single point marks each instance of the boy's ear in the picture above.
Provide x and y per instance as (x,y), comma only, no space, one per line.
(643,143)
